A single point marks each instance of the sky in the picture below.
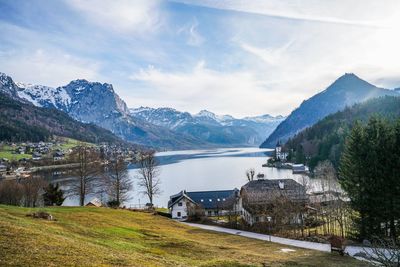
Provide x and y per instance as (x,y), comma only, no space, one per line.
(238,57)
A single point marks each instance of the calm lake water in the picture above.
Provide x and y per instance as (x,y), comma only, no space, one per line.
(216,169)
(198,170)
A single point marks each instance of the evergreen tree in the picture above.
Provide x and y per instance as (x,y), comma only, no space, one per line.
(369,172)
(352,174)
(53,195)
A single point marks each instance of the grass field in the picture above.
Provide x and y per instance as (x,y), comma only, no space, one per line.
(107,237)
(7,152)
(70,143)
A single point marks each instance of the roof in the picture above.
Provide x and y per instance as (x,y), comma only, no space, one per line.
(94,202)
(212,199)
(177,197)
(58,154)
(299,167)
(266,190)
(207,199)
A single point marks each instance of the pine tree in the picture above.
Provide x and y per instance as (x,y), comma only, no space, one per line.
(369,172)
(53,195)
(352,176)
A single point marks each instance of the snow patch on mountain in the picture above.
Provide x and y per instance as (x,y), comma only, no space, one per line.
(44,96)
(264,118)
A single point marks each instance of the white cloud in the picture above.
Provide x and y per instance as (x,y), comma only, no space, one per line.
(53,68)
(194,38)
(272,56)
(238,93)
(352,12)
(124,16)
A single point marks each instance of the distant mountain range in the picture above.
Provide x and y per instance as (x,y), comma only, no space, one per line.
(211,128)
(167,128)
(22,121)
(345,91)
(164,128)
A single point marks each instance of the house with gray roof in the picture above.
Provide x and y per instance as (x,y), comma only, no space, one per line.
(261,199)
(214,203)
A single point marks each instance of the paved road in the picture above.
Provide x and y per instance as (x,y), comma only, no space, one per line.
(275,239)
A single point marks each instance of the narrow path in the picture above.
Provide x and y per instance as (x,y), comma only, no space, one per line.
(275,239)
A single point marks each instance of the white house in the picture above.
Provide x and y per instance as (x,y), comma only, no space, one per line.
(214,203)
(179,205)
(279,153)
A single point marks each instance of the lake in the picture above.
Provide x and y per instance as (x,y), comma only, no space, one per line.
(199,170)
(212,169)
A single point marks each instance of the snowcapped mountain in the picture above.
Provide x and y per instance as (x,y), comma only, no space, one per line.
(166,117)
(265,118)
(44,96)
(97,103)
(217,129)
(8,87)
(83,100)
(162,128)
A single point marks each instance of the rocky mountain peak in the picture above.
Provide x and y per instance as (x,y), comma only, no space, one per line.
(205,113)
(8,86)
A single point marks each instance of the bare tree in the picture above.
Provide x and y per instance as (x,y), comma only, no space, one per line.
(250,174)
(33,191)
(11,192)
(148,175)
(86,174)
(117,180)
(383,252)
(27,192)
(333,209)
(195,212)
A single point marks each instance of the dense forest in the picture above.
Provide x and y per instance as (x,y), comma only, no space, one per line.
(25,122)
(325,140)
(370,173)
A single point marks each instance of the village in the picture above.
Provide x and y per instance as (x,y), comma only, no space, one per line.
(23,159)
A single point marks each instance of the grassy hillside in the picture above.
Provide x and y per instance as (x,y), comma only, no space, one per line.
(107,237)
(7,152)
(325,139)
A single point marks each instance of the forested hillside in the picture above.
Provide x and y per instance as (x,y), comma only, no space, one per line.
(325,139)
(24,122)
(347,90)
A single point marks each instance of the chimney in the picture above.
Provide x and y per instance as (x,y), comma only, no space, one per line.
(260,176)
(281,185)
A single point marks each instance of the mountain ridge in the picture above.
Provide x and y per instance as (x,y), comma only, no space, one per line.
(347,90)
(20,121)
(325,139)
(209,127)
(98,103)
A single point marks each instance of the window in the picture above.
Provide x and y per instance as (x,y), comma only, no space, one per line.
(180,204)
(178,214)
